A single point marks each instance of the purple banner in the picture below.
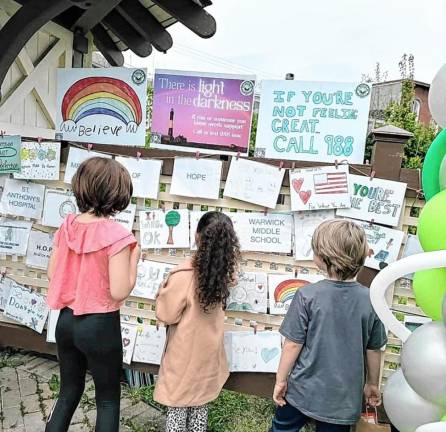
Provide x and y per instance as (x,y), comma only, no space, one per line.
(203,112)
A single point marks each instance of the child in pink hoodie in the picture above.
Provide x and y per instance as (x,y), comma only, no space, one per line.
(92,270)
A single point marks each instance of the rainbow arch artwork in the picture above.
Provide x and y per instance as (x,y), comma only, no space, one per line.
(104,106)
(282,289)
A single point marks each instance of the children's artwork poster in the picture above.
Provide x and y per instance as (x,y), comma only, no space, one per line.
(195,217)
(145,174)
(206,112)
(40,245)
(375,200)
(21,198)
(128,334)
(319,188)
(254,182)
(58,205)
(384,244)
(197,178)
(10,154)
(282,288)
(5,288)
(27,307)
(313,121)
(53,317)
(164,229)
(14,236)
(150,275)
(250,294)
(149,346)
(40,161)
(260,232)
(253,352)
(102,105)
(75,157)
(127,217)
(305,224)
(412,247)
(3,178)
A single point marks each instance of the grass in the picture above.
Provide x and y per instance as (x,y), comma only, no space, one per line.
(8,359)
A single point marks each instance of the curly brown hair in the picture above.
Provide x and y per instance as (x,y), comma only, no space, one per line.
(216,260)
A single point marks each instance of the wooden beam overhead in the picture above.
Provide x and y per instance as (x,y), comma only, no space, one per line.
(22,25)
(191,15)
(106,46)
(94,14)
(146,24)
(122,28)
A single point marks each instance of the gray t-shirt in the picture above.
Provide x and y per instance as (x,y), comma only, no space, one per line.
(336,324)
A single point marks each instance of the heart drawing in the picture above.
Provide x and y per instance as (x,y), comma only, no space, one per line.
(268,354)
(297,184)
(126,342)
(305,196)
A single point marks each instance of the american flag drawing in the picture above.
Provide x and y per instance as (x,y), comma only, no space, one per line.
(330,183)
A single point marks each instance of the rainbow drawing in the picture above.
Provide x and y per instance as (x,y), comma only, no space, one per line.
(285,290)
(101,95)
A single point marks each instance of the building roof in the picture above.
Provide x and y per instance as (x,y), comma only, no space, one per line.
(417,83)
(116,25)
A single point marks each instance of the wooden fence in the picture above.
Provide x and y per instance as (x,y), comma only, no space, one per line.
(386,163)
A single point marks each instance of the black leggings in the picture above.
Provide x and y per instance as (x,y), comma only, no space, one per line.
(94,342)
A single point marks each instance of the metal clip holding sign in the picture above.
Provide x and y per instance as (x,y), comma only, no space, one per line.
(138,155)
(89,147)
(372,174)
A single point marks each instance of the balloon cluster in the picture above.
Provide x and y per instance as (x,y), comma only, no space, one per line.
(415,395)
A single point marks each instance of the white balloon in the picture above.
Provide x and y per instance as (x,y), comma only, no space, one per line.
(406,409)
(437,97)
(394,271)
(423,361)
(433,427)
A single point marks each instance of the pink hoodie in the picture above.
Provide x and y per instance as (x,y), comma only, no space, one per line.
(81,280)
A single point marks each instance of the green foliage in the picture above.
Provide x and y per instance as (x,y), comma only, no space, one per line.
(54,385)
(8,358)
(252,138)
(149,107)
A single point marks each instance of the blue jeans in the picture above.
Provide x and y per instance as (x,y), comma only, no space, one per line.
(290,419)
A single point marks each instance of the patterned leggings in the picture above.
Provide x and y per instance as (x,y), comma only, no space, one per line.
(191,419)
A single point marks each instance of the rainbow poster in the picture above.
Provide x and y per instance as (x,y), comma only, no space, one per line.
(102,106)
(282,288)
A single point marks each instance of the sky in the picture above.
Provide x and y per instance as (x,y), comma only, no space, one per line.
(325,40)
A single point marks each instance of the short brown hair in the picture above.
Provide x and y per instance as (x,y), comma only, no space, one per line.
(102,186)
(342,246)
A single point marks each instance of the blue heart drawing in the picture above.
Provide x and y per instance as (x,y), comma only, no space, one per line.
(268,354)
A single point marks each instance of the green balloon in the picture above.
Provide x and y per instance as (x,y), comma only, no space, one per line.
(434,166)
(432,224)
(429,287)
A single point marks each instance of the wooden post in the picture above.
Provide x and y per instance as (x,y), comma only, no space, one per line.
(388,151)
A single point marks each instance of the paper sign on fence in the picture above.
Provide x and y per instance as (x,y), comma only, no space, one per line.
(197,178)
(249,352)
(10,154)
(40,245)
(150,275)
(374,199)
(53,317)
(250,294)
(14,235)
(5,288)
(305,223)
(58,205)
(127,217)
(319,188)
(40,161)
(164,229)
(128,334)
(282,288)
(21,198)
(145,174)
(75,157)
(254,182)
(149,346)
(27,307)
(313,121)
(102,105)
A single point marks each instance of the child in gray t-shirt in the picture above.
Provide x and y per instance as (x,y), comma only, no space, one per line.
(331,331)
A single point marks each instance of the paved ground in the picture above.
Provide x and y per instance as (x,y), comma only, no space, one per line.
(29,386)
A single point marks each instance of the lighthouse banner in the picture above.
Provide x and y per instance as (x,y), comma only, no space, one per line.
(205,112)
(102,106)
(313,121)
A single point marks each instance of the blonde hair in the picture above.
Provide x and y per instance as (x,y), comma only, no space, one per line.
(342,246)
